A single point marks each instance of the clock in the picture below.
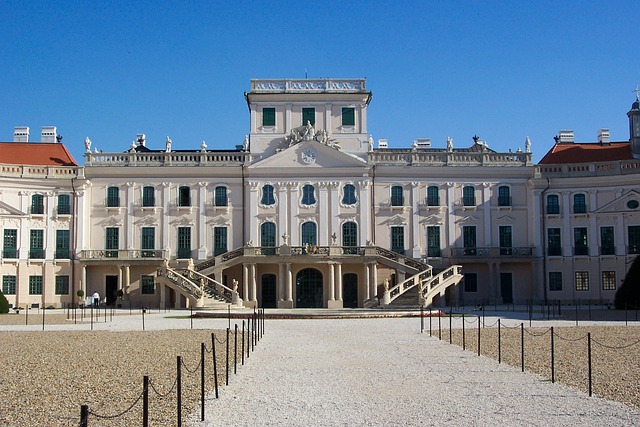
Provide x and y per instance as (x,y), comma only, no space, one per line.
(309,156)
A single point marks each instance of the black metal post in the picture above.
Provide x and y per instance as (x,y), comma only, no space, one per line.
(229,314)
(202,382)
(227,375)
(242,343)
(483,318)
(430,317)
(439,325)
(421,318)
(553,362)
(464,344)
(43,310)
(522,345)
(145,401)
(235,349)
(589,361)
(499,344)
(478,335)
(450,331)
(92,317)
(84,415)
(215,365)
(179,390)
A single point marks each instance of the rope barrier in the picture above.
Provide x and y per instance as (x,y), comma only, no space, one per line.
(163,395)
(221,342)
(110,417)
(615,347)
(537,335)
(492,325)
(502,325)
(194,369)
(569,339)
(475,319)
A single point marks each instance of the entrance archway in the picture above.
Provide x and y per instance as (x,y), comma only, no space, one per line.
(309,289)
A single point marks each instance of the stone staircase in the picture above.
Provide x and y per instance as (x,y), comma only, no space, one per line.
(427,287)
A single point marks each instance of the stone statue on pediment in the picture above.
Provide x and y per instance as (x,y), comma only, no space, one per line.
(449,144)
(87,145)
(309,132)
(168,145)
(527,145)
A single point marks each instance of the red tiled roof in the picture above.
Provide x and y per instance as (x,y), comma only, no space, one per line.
(35,153)
(587,153)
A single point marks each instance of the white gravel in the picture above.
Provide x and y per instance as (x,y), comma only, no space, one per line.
(381,372)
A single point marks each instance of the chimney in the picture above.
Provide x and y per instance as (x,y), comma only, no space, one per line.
(21,134)
(48,134)
(566,136)
(422,143)
(382,143)
(603,136)
(141,139)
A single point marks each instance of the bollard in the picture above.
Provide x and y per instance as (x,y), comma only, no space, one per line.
(463,337)
(553,362)
(143,311)
(242,343)
(202,382)
(179,390)
(229,315)
(589,360)
(84,415)
(522,345)
(483,318)
(450,337)
(499,345)
(248,337)
(430,317)
(576,314)
(145,401)
(215,367)
(235,350)
(478,335)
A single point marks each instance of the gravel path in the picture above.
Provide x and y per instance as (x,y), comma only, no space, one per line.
(381,372)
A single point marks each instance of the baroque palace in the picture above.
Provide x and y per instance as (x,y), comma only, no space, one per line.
(311,212)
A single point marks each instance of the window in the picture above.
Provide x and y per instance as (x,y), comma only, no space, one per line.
(64,204)
(433,196)
(112,242)
(147,285)
(607,241)
(505,235)
(309,115)
(219,240)
(580,241)
(35,285)
(397,197)
(268,238)
(268,198)
(554,244)
(309,233)
(148,241)
(349,237)
(113,197)
(608,280)
(504,196)
(221,196)
(555,281)
(62,244)
(184,196)
(184,242)
(308,196)
(582,280)
(36,244)
(37,204)
(10,248)
(397,239)
(349,194)
(634,239)
(148,196)
(9,285)
(268,116)
(470,282)
(469,239)
(579,203)
(469,196)
(433,241)
(62,285)
(553,204)
(348,116)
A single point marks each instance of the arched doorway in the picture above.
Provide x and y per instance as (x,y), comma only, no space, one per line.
(350,290)
(269,295)
(309,289)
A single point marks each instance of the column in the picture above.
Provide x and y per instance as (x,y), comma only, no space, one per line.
(536,226)
(415,220)
(202,220)
(282,226)
(253,284)
(166,194)
(293,210)
(287,118)
(451,219)
(332,282)
(486,209)
(364,206)
(334,208)
(373,283)
(327,117)
(129,216)
(281,282)
(593,229)
(83,280)
(339,282)
(325,212)
(127,279)
(367,279)
(363,118)
(49,238)
(78,233)
(245,283)
(252,203)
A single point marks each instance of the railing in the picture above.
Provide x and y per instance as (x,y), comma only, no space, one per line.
(405,285)
(49,172)
(437,284)
(10,253)
(447,158)
(493,252)
(307,85)
(172,158)
(180,281)
(618,167)
(126,254)
(214,288)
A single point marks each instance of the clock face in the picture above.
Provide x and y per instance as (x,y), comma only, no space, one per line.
(309,156)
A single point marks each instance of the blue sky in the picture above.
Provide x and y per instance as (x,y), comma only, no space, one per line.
(501,70)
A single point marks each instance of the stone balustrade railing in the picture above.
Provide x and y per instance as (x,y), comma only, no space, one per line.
(447,158)
(28,171)
(617,167)
(172,158)
(307,85)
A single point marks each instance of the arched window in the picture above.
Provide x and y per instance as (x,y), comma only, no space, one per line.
(349,237)
(308,195)
(309,233)
(349,194)
(268,238)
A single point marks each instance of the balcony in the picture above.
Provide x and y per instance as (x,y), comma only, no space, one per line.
(10,253)
(36,253)
(125,254)
(491,252)
(504,201)
(581,250)
(434,252)
(62,253)
(184,253)
(554,251)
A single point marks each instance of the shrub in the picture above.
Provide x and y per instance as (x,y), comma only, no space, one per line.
(629,293)
(4,304)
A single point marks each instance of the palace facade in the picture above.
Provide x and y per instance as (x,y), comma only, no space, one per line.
(310,212)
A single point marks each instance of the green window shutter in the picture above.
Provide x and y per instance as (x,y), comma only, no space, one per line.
(268,116)
(348,116)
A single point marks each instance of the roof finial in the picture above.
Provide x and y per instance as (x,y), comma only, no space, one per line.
(637,91)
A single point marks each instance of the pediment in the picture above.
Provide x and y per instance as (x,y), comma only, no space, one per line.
(310,155)
(628,202)
(8,210)
(505,219)
(468,219)
(396,220)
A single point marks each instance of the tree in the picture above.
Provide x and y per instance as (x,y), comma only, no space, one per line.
(4,304)
(629,293)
